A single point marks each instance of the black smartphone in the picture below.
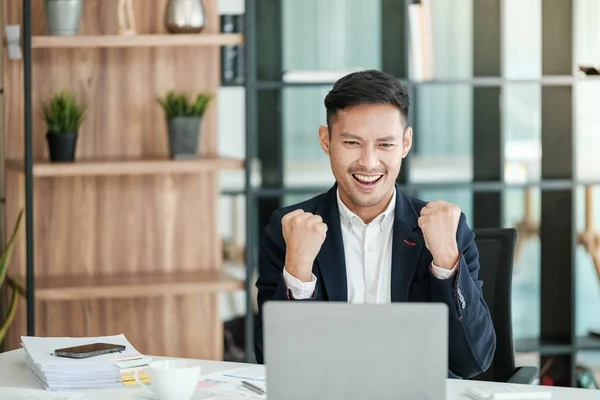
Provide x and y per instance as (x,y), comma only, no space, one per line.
(89,350)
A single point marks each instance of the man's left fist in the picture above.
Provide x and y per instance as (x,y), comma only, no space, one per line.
(439,222)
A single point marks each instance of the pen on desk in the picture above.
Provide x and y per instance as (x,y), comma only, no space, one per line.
(253,387)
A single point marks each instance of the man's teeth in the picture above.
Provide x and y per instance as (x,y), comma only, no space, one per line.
(365,178)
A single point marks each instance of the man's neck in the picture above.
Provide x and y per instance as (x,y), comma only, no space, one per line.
(367,214)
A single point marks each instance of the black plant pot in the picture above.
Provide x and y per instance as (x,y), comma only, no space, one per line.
(62,146)
(184,135)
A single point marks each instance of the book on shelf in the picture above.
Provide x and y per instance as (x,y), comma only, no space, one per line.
(232,57)
(420,45)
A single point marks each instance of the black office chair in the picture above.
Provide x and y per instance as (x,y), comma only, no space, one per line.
(496,252)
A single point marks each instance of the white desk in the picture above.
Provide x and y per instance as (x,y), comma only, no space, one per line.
(14,373)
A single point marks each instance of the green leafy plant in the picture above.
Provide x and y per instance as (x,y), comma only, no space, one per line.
(64,112)
(16,288)
(181,105)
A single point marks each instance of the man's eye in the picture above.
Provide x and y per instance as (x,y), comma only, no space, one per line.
(351,142)
(387,145)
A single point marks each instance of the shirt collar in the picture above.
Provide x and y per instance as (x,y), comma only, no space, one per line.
(348,218)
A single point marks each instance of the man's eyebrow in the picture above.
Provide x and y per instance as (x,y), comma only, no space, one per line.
(390,138)
(349,135)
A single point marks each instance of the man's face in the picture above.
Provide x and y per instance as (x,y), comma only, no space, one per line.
(366,145)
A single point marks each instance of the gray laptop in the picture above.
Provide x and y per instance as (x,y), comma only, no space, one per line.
(341,351)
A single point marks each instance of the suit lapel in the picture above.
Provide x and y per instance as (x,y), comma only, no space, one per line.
(407,244)
(331,259)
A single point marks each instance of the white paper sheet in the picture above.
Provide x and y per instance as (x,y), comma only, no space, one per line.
(230,382)
(41,350)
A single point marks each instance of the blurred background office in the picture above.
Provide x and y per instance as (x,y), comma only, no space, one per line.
(504,95)
(503,119)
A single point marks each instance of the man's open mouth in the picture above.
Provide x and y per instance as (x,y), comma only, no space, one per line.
(367,180)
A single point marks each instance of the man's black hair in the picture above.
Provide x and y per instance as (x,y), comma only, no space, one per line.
(366,87)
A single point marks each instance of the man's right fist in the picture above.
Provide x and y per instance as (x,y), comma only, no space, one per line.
(304,234)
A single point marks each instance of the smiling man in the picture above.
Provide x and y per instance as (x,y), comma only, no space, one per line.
(365,240)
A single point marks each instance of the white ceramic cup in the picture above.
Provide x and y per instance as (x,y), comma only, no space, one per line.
(171,379)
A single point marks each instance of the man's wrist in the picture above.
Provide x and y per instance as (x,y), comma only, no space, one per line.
(448,260)
(302,273)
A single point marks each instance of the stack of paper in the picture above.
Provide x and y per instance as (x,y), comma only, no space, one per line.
(57,373)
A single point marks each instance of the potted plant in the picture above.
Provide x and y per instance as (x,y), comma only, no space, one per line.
(184,119)
(16,288)
(63,115)
(62,16)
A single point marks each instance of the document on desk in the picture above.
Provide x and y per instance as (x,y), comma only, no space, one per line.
(12,393)
(230,381)
(59,373)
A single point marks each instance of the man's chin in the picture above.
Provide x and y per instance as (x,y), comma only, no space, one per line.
(362,200)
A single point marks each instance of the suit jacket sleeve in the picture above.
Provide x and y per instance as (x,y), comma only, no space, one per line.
(472,339)
(270,284)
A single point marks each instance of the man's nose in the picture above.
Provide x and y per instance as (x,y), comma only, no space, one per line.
(369,159)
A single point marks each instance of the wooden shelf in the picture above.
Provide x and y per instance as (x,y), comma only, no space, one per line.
(157,284)
(147,188)
(166,40)
(149,166)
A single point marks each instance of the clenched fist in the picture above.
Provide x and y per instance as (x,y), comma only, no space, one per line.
(439,223)
(304,234)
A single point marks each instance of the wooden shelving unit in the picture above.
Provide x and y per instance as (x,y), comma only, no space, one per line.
(126,286)
(124,239)
(157,40)
(146,166)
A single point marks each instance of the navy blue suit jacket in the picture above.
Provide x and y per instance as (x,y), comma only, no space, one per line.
(472,340)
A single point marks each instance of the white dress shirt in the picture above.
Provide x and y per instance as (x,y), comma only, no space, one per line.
(368,253)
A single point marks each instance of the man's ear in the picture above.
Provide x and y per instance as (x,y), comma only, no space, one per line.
(324,138)
(407,141)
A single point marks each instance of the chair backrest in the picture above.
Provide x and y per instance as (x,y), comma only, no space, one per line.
(496,253)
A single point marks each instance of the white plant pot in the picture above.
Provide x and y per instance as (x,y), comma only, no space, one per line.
(63,16)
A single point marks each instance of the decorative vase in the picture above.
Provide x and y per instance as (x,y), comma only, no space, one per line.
(62,146)
(184,135)
(185,16)
(62,16)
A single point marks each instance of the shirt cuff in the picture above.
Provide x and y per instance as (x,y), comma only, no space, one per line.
(300,290)
(442,273)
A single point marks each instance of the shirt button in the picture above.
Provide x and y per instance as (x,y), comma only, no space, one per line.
(370,248)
